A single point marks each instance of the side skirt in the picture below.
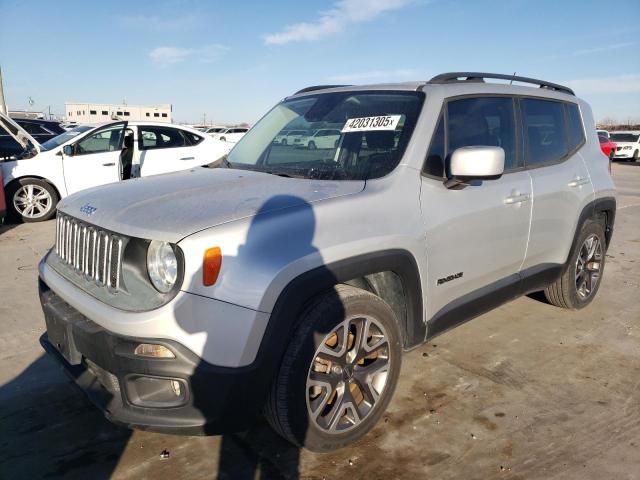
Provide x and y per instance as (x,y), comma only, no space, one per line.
(487,298)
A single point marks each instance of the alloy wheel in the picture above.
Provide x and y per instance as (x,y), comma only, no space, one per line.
(588,266)
(348,374)
(32,201)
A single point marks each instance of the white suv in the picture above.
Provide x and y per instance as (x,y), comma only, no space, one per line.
(289,282)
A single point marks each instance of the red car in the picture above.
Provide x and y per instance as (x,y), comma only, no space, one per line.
(607,146)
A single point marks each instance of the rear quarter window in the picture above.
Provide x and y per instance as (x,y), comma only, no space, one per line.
(545,132)
(575,130)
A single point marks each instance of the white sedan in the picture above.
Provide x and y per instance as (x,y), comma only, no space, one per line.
(87,156)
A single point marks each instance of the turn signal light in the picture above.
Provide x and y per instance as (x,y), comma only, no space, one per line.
(154,351)
(211,266)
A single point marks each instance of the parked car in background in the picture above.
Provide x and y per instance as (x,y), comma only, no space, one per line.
(603,133)
(214,130)
(88,156)
(607,146)
(41,130)
(231,135)
(323,138)
(628,145)
(281,138)
(295,137)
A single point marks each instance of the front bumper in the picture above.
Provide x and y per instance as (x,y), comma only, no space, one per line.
(213,399)
(623,154)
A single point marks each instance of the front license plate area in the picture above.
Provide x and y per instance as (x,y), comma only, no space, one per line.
(61,337)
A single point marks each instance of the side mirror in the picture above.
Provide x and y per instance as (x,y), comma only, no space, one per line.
(475,163)
(68,150)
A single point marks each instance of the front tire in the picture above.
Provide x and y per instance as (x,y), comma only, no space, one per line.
(31,200)
(339,371)
(635,156)
(311,145)
(581,279)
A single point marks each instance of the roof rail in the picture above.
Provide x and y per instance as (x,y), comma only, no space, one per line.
(319,87)
(480,76)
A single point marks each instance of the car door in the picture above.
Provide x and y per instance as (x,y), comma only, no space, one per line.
(94,159)
(476,235)
(165,149)
(562,187)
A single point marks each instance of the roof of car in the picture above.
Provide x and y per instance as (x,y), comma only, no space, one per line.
(460,83)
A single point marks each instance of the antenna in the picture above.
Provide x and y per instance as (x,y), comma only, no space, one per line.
(514,76)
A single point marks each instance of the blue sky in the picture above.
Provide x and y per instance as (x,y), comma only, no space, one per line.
(234,59)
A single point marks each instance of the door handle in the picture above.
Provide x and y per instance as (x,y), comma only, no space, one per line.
(110,164)
(188,158)
(578,181)
(513,199)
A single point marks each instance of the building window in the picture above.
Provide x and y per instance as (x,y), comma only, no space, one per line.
(156,115)
(92,112)
(104,112)
(126,114)
(70,114)
(164,115)
(147,114)
(83,112)
(118,113)
(79,112)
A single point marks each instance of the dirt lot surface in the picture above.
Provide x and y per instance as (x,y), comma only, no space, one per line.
(526,391)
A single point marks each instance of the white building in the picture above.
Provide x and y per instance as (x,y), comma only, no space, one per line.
(103,112)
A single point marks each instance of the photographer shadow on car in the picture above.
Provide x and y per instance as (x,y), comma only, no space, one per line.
(299,384)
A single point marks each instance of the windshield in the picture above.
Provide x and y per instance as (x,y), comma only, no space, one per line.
(624,137)
(369,132)
(64,137)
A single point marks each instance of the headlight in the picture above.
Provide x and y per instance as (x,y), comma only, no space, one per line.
(162,266)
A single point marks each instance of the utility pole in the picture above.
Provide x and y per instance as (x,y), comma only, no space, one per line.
(3,103)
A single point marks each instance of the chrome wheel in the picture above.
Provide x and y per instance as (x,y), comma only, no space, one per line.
(32,201)
(348,374)
(588,266)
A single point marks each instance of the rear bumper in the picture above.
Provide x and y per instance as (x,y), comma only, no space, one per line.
(212,399)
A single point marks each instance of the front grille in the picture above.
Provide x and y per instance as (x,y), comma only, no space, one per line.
(91,252)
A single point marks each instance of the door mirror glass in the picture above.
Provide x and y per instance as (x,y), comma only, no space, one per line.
(67,150)
(479,162)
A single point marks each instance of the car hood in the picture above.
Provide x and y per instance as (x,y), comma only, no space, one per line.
(172,206)
(18,133)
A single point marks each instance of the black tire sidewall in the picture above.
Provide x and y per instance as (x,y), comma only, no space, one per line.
(16,185)
(318,321)
(589,228)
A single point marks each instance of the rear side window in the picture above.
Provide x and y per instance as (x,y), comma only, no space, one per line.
(544,127)
(193,138)
(481,121)
(575,129)
(160,137)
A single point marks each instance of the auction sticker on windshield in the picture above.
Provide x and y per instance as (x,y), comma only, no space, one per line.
(365,124)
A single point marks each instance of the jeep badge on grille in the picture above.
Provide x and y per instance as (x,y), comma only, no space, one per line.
(88,209)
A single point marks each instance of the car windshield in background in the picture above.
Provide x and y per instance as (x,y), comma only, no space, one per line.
(64,137)
(363,135)
(624,137)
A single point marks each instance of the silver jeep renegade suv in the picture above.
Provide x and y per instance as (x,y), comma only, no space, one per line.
(287,281)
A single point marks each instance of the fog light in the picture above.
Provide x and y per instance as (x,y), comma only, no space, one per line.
(175,386)
(153,351)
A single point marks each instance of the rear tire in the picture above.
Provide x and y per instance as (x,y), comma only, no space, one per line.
(31,200)
(582,276)
(333,386)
